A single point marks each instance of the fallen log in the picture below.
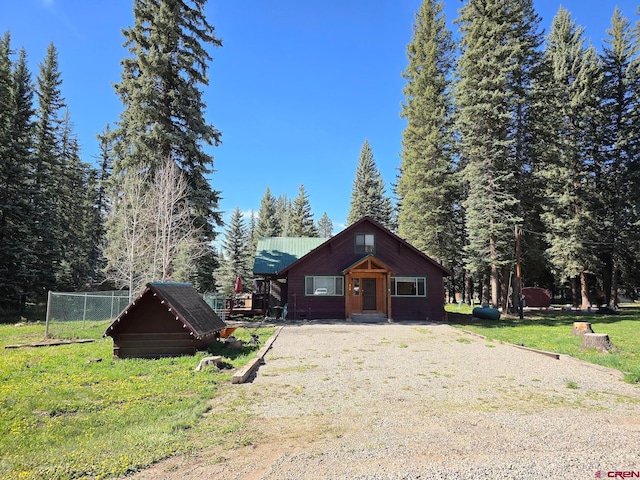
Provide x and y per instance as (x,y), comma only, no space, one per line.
(50,343)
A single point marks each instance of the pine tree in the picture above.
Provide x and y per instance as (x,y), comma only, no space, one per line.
(302,224)
(47,173)
(426,187)
(498,38)
(252,237)
(16,256)
(163,116)
(236,256)
(283,216)
(368,193)
(570,109)
(74,271)
(325,226)
(19,164)
(98,184)
(268,225)
(619,172)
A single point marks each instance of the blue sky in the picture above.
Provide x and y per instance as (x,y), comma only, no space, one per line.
(296,88)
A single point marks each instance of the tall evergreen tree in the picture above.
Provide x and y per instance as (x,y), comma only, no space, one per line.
(619,174)
(426,187)
(325,226)
(236,256)
(252,238)
(17,174)
(98,187)
(490,94)
(268,225)
(368,196)
(302,224)
(76,238)
(524,155)
(163,116)
(16,256)
(570,109)
(48,205)
(283,215)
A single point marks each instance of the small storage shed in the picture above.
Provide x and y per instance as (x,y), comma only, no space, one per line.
(165,320)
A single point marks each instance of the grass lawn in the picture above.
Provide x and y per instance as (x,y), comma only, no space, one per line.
(552,331)
(64,417)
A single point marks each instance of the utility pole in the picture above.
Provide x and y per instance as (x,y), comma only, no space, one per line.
(519,273)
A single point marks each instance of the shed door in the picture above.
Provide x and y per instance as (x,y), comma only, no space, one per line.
(369,294)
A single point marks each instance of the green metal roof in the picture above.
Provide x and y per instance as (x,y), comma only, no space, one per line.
(275,253)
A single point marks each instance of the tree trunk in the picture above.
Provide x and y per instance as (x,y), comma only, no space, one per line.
(515,298)
(484,298)
(607,273)
(468,291)
(504,288)
(451,288)
(574,292)
(584,290)
(613,295)
(495,287)
(495,275)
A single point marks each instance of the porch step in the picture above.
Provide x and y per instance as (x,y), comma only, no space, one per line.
(368,317)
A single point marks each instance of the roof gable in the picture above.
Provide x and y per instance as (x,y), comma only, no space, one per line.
(356,227)
(273,254)
(183,301)
(368,262)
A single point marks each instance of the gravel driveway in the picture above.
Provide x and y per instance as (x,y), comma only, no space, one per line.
(409,401)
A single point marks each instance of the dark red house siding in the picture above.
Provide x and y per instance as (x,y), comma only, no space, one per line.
(338,254)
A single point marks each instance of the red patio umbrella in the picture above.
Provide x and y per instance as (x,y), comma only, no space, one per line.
(238,286)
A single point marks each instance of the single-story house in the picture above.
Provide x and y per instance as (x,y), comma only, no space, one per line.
(165,320)
(363,270)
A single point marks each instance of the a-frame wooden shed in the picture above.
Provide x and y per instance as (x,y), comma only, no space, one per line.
(165,320)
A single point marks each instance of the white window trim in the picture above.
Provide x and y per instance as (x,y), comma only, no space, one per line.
(407,279)
(307,277)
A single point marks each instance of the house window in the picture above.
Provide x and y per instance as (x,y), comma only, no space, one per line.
(408,286)
(365,243)
(324,286)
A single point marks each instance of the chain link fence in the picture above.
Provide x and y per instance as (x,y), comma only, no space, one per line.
(217,303)
(70,312)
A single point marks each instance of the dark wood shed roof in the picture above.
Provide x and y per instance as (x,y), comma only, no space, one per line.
(183,301)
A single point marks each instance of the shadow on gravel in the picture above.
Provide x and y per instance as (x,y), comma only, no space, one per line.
(302,323)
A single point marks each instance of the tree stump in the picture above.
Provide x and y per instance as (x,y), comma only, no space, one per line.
(580,328)
(599,341)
